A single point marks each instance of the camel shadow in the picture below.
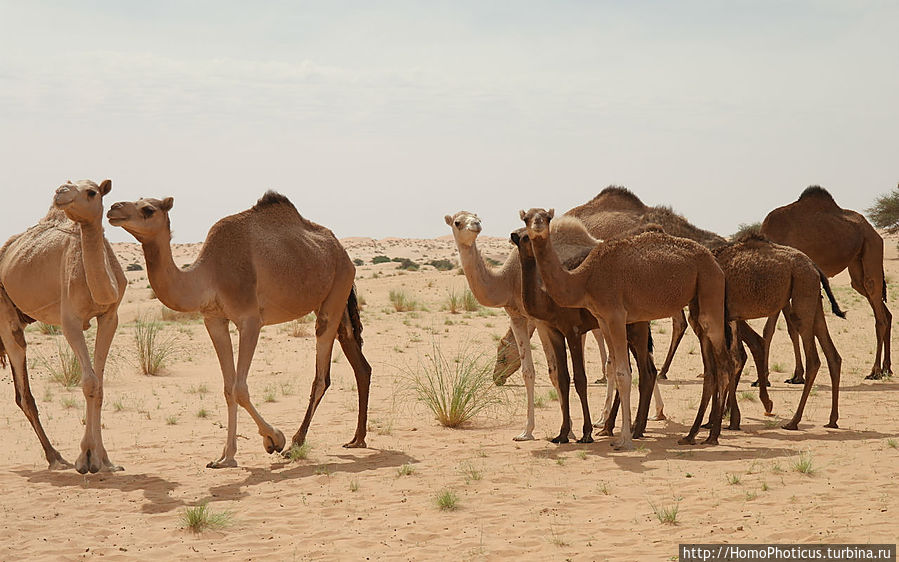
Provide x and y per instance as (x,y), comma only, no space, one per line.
(156,490)
(286,470)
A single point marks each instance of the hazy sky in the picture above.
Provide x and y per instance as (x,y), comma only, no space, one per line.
(378,118)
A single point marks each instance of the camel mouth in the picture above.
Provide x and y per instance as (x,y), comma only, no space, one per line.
(64,199)
(114,219)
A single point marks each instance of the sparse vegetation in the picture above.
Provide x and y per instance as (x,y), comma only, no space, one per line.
(442,265)
(884,213)
(380,259)
(134,267)
(357,262)
(406,264)
(401,302)
(666,514)
(153,347)
(200,518)
(744,229)
(447,500)
(733,479)
(405,470)
(300,453)
(169,315)
(804,464)
(65,370)
(48,329)
(455,388)
(469,302)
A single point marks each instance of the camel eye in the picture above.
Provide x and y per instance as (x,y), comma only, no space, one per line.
(458,224)
(147,212)
(91,193)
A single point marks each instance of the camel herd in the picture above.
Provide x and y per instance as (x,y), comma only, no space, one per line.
(610,266)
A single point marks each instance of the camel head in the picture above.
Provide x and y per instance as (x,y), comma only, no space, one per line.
(536,222)
(145,219)
(82,201)
(466,227)
(522,242)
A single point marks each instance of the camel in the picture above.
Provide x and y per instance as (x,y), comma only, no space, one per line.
(763,279)
(62,271)
(835,239)
(572,324)
(265,265)
(618,282)
(613,213)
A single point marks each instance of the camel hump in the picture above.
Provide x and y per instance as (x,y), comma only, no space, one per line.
(817,193)
(272,198)
(570,230)
(618,197)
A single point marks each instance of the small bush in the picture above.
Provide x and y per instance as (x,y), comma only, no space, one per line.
(405,470)
(66,370)
(447,500)
(199,518)
(401,302)
(469,302)
(453,302)
(153,348)
(134,267)
(666,514)
(406,264)
(744,229)
(380,259)
(357,262)
(804,464)
(457,388)
(442,265)
(48,329)
(297,329)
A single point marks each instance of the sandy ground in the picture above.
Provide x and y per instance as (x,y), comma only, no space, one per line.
(531,500)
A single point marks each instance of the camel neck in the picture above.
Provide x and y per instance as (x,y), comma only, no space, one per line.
(177,289)
(534,299)
(563,286)
(97,270)
(490,288)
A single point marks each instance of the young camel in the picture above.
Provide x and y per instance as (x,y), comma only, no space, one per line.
(263,266)
(572,324)
(763,279)
(613,213)
(62,271)
(618,283)
(835,239)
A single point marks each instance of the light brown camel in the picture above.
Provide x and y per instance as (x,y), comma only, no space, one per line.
(835,239)
(501,288)
(763,279)
(262,266)
(62,271)
(572,324)
(619,283)
(613,213)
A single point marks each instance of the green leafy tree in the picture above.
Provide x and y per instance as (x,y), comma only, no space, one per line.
(885,211)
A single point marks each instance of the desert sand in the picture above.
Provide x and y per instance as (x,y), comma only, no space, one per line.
(529,500)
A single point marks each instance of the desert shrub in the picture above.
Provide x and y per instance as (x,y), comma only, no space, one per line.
(455,388)
(64,368)
(746,228)
(153,347)
(380,259)
(402,302)
(199,518)
(453,302)
(406,263)
(134,267)
(884,213)
(493,262)
(357,262)
(469,303)
(442,265)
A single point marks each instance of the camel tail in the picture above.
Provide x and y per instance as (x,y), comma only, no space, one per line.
(650,344)
(728,335)
(833,301)
(2,356)
(352,308)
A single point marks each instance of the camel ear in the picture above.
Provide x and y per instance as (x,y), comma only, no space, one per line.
(167,204)
(448,219)
(551,213)
(515,238)
(521,214)
(105,186)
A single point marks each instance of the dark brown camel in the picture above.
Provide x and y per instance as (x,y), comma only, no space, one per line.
(835,239)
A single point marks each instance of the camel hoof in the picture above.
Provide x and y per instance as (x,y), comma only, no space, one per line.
(875,376)
(832,425)
(222,463)
(733,427)
(663,376)
(756,383)
(524,437)
(795,380)
(710,441)
(586,439)
(112,468)
(355,444)
(603,432)
(623,446)
(658,417)
(686,441)
(60,464)
(706,425)
(88,462)
(560,439)
(791,426)
(274,443)
(602,380)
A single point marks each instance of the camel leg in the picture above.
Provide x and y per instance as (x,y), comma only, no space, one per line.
(759,352)
(638,338)
(575,347)
(609,409)
(767,336)
(603,355)
(617,331)
(90,459)
(552,362)
(520,329)
(798,373)
(352,348)
(834,365)
(106,328)
(328,319)
(812,364)
(564,383)
(870,284)
(13,339)
(715,329)
(678,329)
(221,342)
